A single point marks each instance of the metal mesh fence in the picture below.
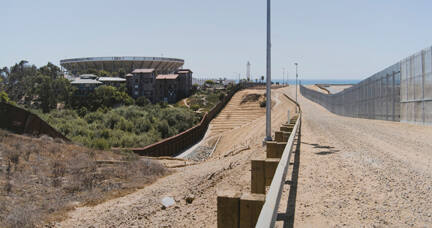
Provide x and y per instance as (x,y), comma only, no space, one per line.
(416,89)
(377,97)
(402,92)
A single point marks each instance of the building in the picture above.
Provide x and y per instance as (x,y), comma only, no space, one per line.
(167,87)
(112,81)
(85,85)
(142,82)
(159,87)
(185,82)
(125,64)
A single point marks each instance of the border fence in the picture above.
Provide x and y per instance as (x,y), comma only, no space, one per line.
(401,92)
(21,121)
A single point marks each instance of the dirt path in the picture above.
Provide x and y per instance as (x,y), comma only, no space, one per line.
(202,181)
(358,172)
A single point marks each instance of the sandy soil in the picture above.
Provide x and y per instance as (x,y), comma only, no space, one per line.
(337,88)
(228,168)
(361,173)
(348,172)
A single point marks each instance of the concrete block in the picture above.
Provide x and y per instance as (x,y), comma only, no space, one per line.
(250,208)
(228,209)
(288,125)
(275,149)
(270,168)
(288,129)
(282,136)
(258,176)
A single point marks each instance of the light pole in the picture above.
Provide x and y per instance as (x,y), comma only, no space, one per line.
(268,76)
(296,64)
(283,76)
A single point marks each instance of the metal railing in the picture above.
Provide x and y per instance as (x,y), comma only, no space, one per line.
(268,215)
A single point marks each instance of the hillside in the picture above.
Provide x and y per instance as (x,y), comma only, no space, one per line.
(42,178)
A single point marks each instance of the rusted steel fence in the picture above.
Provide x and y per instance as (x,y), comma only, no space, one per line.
(21,121)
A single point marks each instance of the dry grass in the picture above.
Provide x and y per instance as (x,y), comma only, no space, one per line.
(42,178)
(250,98)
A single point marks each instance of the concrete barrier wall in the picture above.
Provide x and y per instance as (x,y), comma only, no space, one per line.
(21,121)
(174,145)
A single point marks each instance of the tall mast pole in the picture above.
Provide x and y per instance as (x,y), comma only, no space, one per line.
(268,75)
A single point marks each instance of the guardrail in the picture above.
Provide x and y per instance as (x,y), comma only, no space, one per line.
(268,215)
(255,209)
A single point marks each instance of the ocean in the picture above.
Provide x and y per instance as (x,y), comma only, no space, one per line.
(318,81)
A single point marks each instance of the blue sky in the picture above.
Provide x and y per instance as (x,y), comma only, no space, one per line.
(332,39)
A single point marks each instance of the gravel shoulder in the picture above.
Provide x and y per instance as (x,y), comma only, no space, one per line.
(358,172)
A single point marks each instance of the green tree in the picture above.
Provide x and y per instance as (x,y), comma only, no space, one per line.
(109,96)
(18,82)
(103,73)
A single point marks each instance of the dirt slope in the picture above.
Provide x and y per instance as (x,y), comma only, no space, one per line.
(359,172)
(143,208)
(237,113)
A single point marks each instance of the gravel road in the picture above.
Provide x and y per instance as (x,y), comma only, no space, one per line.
(361,173)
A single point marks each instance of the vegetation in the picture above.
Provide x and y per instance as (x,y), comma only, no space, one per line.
(103,97)
(107,117)
(42,178)
(4,97)
(124,127)
(36,87)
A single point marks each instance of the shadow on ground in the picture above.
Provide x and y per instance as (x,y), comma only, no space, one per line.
(329,149)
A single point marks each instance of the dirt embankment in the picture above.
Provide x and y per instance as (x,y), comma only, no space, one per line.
(41,178)
(194,188)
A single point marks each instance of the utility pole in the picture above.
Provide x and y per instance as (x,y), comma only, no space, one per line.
(268,75)
(296,64)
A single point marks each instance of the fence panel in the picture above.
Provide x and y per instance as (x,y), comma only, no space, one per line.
(372,98)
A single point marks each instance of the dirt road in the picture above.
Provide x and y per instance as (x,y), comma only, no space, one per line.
(228,168)
(361,173)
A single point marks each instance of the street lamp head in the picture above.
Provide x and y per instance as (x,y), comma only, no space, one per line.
(296,64)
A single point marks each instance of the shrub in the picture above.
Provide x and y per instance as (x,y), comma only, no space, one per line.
(142,101)
(195,107)
(130,126)
(100,143)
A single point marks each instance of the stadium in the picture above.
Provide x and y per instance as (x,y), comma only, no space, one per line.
(125,63)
